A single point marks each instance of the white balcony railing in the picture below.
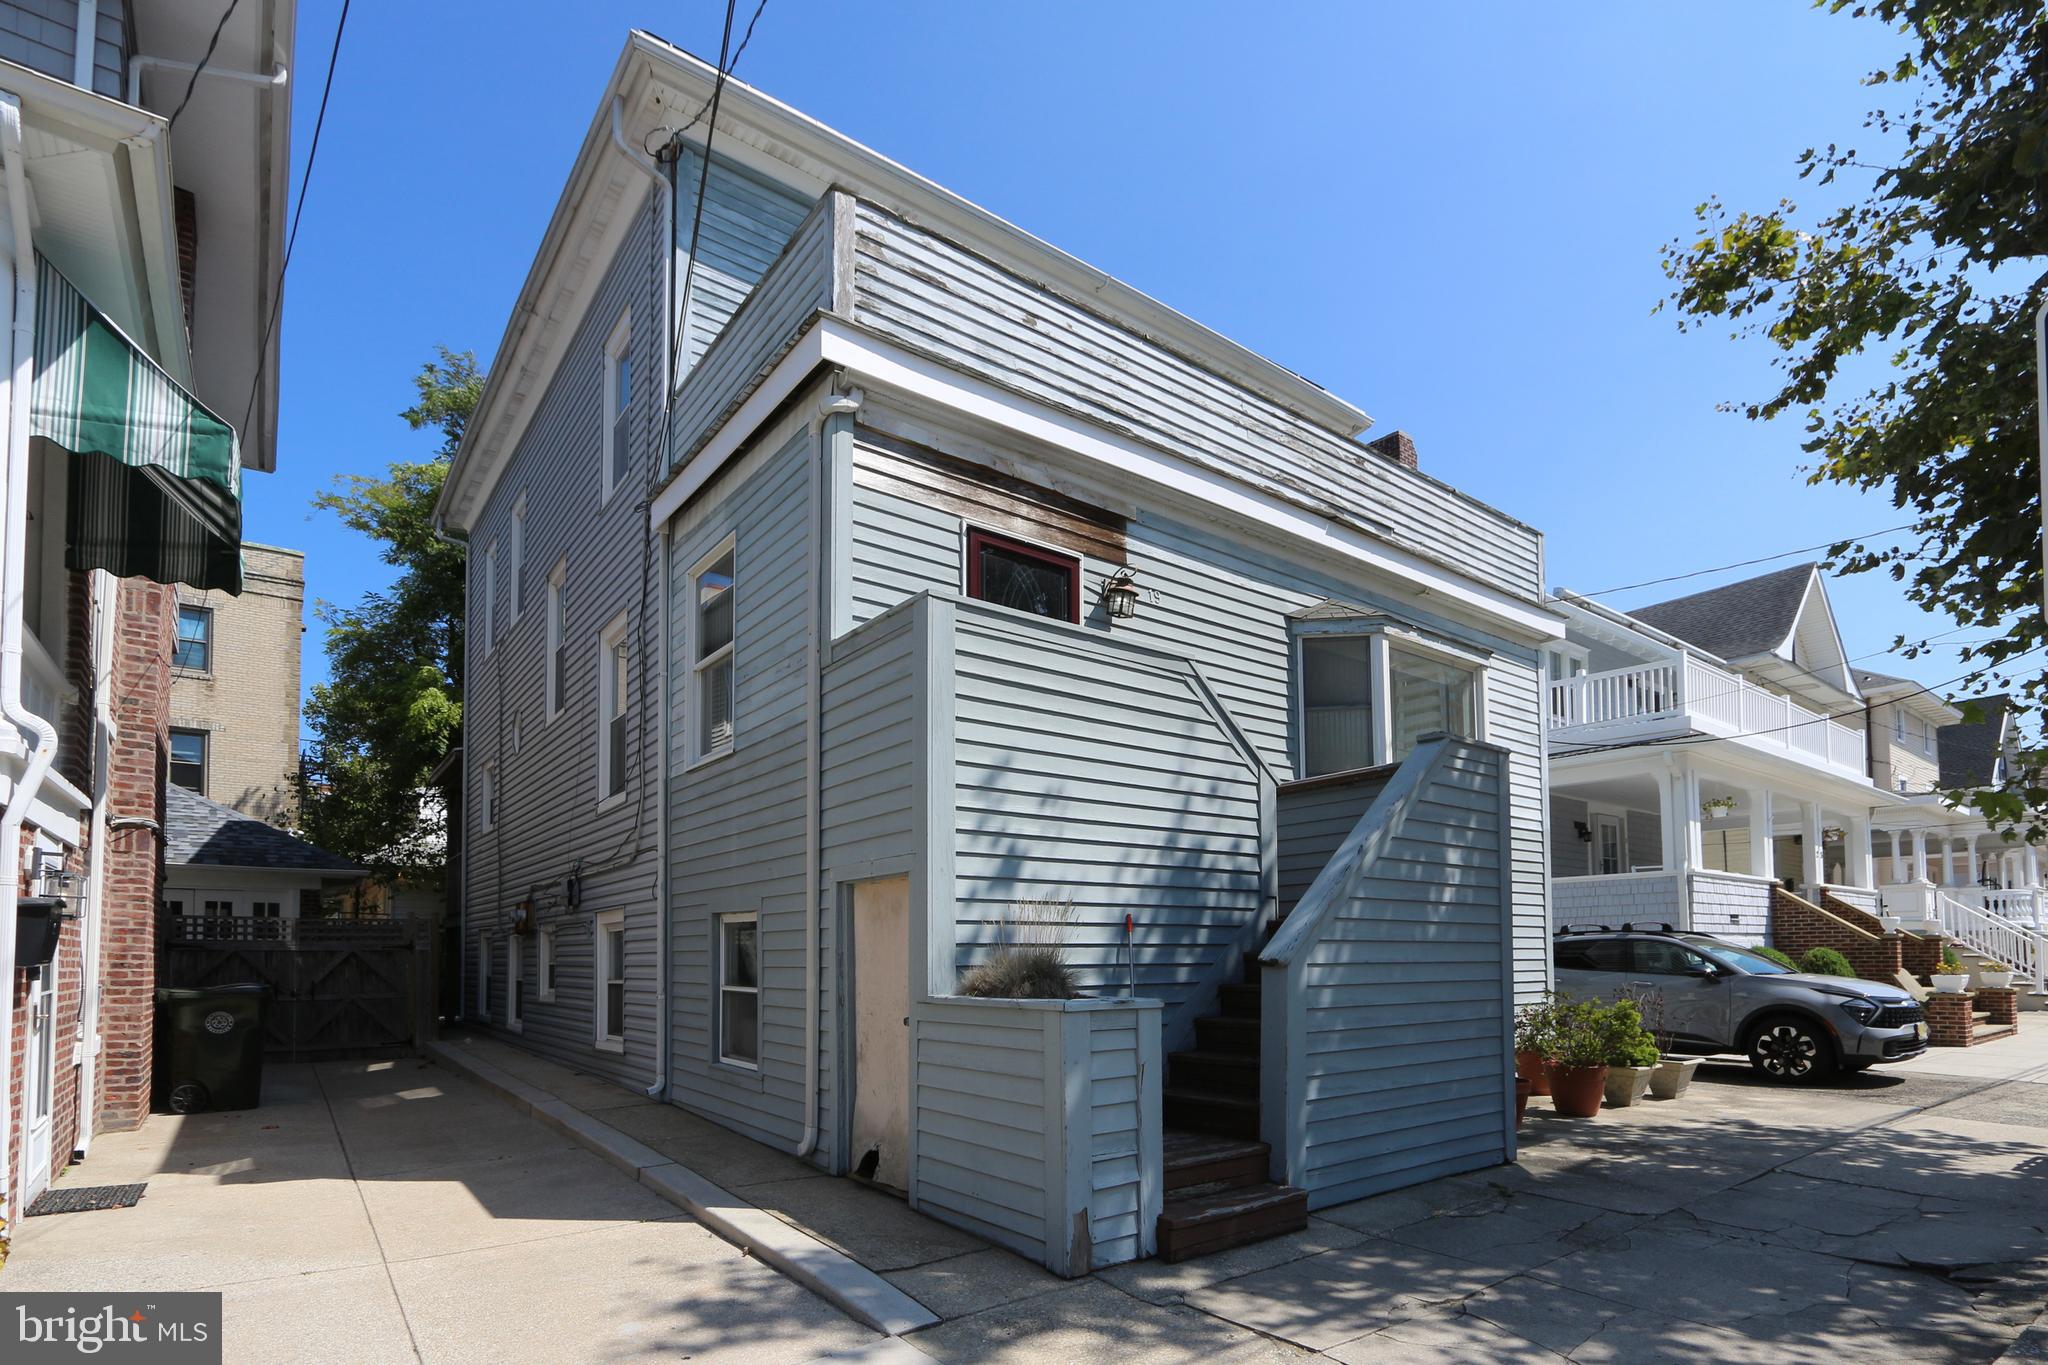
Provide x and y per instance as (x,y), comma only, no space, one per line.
(1709,699)
(2021,904)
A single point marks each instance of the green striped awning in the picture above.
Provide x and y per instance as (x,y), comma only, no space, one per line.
(155,478)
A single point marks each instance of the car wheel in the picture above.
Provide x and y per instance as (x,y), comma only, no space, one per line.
(1789,1049)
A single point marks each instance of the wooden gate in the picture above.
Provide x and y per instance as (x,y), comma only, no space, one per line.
(339,987)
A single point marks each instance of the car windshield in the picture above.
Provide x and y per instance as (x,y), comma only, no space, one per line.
(1728,955)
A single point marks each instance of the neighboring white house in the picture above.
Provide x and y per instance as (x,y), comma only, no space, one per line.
(221,863)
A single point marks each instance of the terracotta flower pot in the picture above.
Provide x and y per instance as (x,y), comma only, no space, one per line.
(1576,1091)
(1534,1068)
(1523,1088)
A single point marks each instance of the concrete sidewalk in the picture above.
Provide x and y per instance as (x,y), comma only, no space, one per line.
(384,1211)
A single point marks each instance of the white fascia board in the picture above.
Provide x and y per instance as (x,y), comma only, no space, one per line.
(876,364)
(1732,762)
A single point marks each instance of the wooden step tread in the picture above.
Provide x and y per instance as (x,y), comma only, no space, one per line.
(1214,1219)
(1220,1099)
(1196,1160)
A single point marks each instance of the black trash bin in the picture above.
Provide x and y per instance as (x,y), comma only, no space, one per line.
(209,1047)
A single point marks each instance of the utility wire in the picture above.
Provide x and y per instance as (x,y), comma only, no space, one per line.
(725,67)
(199,70)
(298,212)
(682,322)
(1747,563)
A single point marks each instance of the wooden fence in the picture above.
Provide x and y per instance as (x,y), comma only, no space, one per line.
(338,987)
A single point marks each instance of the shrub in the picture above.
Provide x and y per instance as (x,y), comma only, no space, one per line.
(1589,1033)
(1775,956)
(1536,1025)
(1021,971)
(1825,962)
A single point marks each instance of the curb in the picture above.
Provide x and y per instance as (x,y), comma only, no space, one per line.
(831,1274)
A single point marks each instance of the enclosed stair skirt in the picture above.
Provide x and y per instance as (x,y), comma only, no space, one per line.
(1218,1190)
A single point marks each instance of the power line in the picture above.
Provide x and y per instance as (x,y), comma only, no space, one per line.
(726,68)
(298,212)
(682,321)
(1747,563)
(197,71)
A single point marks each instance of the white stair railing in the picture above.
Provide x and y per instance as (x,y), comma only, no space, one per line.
(2010,942)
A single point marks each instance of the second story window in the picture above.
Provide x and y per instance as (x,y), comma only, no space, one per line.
(489,611)
(1367,698)
(613,711)
(188,760)
(618,403)
(518,557)
(1010,573)
(713,630)
(1336,704)
(557,663)
(487,797)
(195,639)
(1428,695)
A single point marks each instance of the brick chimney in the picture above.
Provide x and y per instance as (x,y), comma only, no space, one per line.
(1397,446)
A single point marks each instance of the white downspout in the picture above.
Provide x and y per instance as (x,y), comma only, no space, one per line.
(103,732)
(13,577)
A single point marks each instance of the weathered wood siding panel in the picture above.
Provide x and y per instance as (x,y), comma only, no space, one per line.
(1405,1057)
(758,333)
(931,296)
(1314,818)
(1101,774)
(736,823)
(549,817)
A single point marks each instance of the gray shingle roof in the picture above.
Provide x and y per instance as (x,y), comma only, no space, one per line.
(1969,751)
(1738,619)
(203,833)
(1870,680)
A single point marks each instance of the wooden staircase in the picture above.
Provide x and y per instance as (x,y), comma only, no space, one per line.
(1218,1190)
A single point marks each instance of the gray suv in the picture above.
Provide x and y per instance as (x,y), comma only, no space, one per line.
(1703,995)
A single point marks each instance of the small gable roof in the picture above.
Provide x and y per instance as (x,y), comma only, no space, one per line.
(203,833)
(1737,620)
(1969,752)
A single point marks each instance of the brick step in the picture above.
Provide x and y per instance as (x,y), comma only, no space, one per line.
(1991,1033)
(1206,1111)
(1241,1001)
(1227,1033)
(1227,1073)
(1214,1218)
(1206,1159)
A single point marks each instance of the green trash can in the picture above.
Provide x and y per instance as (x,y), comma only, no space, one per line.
(209,1047)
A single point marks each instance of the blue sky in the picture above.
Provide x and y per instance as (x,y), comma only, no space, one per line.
(1447,215)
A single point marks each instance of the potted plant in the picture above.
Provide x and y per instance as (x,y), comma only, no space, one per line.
(1671,1077)
(1578,1058)
(1631,1052)
(1951,979)
(1523,1087)
(1994,975)
(1533,1024)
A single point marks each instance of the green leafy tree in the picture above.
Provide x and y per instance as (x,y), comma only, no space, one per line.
(1928,263)
(392,704)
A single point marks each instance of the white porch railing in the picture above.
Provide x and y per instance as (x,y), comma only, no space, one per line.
(1711,699)
(2021,905)
(2017,946)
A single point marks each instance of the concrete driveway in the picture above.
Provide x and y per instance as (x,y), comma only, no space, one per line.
(386,1211)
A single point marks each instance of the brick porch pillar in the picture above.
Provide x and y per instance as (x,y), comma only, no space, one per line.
(2003,1003)
(1949,1020)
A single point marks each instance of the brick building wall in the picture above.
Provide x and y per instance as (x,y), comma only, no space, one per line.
(247,701)
(1798,926)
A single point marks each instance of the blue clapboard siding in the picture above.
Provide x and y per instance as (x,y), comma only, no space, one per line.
(736,823)
(747,221)
(982,1126)
(1093,772)
(758,334)
(1120,1218)
(874,718)
(936,298)
(549,818)
(1224,604)
(1314,817)
(1403,1052)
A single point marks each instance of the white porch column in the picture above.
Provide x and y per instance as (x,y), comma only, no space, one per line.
(1813,864)
(1679,794)
(1856,847)
(1919,855)
(1761,853)
(2033,866)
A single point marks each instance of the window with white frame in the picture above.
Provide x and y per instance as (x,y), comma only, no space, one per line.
(487,613)
(518,602)
(515,984)
(1366,697)
(618,403)
(544,966)
(557,664)
(609,956)
(712,642)
(739,990)
(266,909)
(614,713)
(194,648)
(487,797)
(483,979)
(1898,723)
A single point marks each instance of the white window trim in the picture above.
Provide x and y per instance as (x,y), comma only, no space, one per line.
(486,808)
(608,639)
(557,628)
(483,978)
(616,347)
(515,1017)
(695,755)
(602,924)
(1385,637)
(490,596)
(518,559)
(719,988)
(543,958)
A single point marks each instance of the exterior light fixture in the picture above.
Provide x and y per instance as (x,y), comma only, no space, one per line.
(1120,595)
(1583,830)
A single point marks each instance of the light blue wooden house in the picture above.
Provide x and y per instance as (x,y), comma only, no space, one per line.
(934,585)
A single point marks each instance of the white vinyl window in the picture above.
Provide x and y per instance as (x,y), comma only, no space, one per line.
(614,709)
(557,664)
(618,403)
(739,990)
(488,612)
(266,909)
(609,957)
(712,630)
(487,798)
(1366,697)
(544,966)
(515,985)
(518,558)
(483,979)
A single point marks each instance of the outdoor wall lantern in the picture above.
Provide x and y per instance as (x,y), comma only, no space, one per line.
(1120,595)
(1584,831)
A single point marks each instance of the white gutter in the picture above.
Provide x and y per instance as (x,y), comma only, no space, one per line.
(276,76)
(13,576)
(103,732)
